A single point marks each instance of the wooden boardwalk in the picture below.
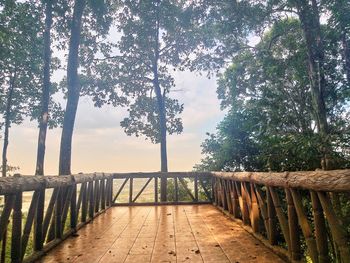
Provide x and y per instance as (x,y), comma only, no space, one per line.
(188,233)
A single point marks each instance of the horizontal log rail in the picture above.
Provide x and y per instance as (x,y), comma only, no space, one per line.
(298,214)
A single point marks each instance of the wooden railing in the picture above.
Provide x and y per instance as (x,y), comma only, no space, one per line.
(181,188)
(79,198)
(298,214)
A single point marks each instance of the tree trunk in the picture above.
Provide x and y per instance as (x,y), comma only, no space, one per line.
(161,112)
(7,116)
(310,20)
(38,223)
(73,89)
(46,91)
(162,125)
(346,55)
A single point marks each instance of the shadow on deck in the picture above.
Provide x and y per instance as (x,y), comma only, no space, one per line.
(183,233)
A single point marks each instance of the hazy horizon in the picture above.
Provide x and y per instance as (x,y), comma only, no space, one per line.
(100,144)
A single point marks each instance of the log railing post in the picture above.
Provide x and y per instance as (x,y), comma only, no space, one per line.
(16,239)
(97,196)
(295,247)
(245,211)
(196,188)
(91,199)
(131,187)
(103,194)
(228,196)
(235,200)
(176,185)
(84,202)
(38,222)
(73,208)
(163,187)
(254,215)
(305,225)
(58,214)
(156,189)
(320,229)
(224,195)
(271,215)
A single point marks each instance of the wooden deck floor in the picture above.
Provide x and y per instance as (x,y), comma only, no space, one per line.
(191,233)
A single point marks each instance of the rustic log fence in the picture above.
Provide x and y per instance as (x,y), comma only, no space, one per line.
(297,214)
(77,197)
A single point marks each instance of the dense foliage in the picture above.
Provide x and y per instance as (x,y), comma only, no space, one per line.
(271,122)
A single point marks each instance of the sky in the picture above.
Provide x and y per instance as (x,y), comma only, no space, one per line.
(100,144)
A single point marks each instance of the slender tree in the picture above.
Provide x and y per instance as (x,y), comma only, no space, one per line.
(89,25)
(73,88)
(157,38)
(21,60)
(45,100)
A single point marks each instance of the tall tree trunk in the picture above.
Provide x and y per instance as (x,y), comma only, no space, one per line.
(161,112)
(8,122)
(346,54)
(46,91)
(73,89)
(310,20)
(38,224)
